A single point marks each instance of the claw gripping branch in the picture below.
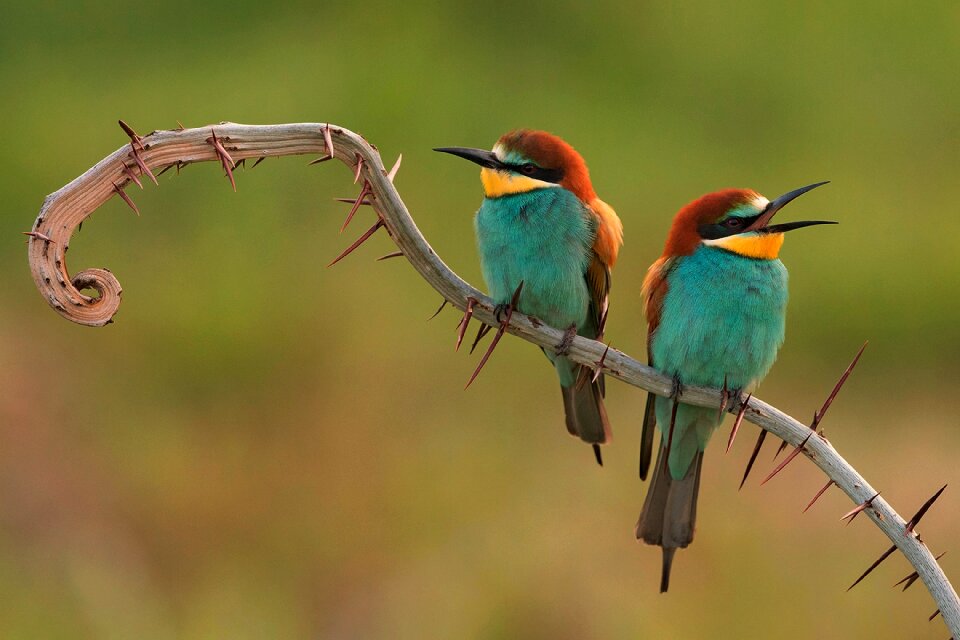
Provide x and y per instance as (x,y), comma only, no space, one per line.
(65,210)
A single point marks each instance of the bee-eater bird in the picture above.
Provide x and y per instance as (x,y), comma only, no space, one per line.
(542,226)
(715,303)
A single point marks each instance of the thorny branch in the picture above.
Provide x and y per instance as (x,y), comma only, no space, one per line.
(229,144)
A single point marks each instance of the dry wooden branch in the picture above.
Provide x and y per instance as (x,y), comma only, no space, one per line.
(227,143)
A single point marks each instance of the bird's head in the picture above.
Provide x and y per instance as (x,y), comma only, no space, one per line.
(524,160)
(737,220)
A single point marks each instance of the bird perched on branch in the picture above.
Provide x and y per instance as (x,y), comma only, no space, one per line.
(715,303)
(541,226)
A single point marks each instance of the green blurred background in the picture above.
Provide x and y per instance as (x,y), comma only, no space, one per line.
(261,447)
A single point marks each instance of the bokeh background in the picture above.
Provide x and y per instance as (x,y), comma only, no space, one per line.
(261,447)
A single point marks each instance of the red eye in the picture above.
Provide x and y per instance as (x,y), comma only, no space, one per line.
(733,223)
(528,169)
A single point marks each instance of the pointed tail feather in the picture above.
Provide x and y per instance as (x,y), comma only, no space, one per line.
(586,416)
(646,435)
(665,571)
(669,514)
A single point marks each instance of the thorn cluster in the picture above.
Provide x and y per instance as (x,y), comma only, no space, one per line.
(849,516)
(465,322)
(496,338)
(120,192)
(225,160)
(136,146)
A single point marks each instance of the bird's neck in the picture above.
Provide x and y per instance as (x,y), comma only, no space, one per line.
(502,183)
(759,246)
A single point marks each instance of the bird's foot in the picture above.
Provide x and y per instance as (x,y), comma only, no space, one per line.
(502,310)
(563,348)
(730,399)
(735,400)
(676,390)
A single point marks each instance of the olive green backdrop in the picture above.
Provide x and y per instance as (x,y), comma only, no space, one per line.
(261,447)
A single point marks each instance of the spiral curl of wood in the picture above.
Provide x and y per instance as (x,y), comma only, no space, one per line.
(65,210)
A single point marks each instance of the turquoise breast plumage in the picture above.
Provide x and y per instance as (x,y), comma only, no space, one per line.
(543,238)
(722,319)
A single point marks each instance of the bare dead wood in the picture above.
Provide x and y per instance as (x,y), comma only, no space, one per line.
(64,211)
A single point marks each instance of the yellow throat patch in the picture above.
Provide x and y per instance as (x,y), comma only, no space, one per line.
(763,246)
(500,183)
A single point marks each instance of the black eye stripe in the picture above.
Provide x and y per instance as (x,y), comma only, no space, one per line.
(533,171)
(725,228)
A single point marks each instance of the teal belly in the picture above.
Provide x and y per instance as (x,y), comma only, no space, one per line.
(543,239)
(722,320)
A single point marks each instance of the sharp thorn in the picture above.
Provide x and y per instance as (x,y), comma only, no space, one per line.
(783,445)
(352,201)
(736,425)
(753,456)
(259,160)
(126,198)
(214,141)
(320,159)
(130,174)
(144,169)
(242,162)
(876,564)
(164,170)
(38,236)
(482,331)
(180,125)
(922,511)
(496,338)
(933,615)
(467,314)
(226,167)
(356,205)
(817,497)
(134,138)
(599,369)
(225,160)
(439,309)
(396,167)
(395,254)
(486,355)
(356,174)
(787,460)
(908,581)
(849,516)
(328,140)
(818,416)
(597,454)
(366,235)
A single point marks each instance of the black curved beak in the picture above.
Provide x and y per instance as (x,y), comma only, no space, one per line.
(761,224)
(482,157)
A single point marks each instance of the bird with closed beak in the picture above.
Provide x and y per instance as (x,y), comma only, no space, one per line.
(542,226)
